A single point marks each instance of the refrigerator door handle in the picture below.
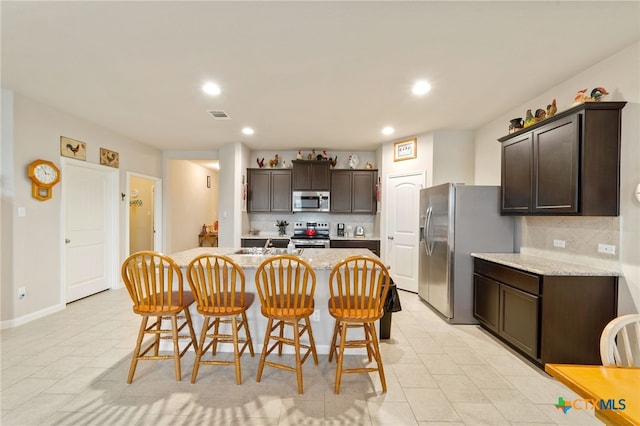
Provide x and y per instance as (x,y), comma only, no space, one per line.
(427,228)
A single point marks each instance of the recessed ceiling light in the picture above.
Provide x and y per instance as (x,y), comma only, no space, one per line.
(211,89)
(247,131)
(421,87)
(387,130)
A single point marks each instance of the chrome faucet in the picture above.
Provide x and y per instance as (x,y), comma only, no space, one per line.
(266,245)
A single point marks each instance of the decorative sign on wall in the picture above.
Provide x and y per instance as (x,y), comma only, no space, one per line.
(404,150)
(109,158)
(72,148)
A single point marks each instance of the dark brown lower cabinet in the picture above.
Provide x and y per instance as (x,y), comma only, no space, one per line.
(547,318)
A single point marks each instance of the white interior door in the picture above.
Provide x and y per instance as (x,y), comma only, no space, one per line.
(90,201)
(403,198)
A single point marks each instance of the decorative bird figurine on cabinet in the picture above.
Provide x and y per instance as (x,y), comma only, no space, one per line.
(540,114)
(598,93)
(299,155)
(325,155)
(260,162)
(333,161)
(274,161)
(552,109)
(529,119)
(580,97)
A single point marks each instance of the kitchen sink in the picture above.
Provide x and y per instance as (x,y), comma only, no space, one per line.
(271,251)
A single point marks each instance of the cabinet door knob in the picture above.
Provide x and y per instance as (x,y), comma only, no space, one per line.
(390,237)
(67,241)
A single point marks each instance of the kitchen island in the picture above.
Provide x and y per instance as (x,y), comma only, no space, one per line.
(322,261)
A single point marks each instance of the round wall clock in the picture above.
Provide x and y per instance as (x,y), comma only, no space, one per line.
(44,175)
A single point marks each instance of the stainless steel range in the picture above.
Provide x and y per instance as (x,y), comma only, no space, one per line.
(310,234)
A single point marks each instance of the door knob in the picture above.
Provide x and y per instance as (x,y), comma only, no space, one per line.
(390,237)
(67,241)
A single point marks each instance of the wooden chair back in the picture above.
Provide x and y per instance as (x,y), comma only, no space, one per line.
(620,342)
(154,282)
(217,283)
(286,285)
(358,287)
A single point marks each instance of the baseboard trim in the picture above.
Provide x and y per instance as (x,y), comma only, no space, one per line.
(31,317)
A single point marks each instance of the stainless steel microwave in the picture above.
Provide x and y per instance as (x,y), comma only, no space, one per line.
(310,201)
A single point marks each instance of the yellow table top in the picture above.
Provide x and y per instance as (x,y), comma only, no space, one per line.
(595,382)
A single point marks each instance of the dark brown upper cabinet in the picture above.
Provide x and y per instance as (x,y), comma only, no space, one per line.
(311,175)
(568,164)
(269,190)
(353,191)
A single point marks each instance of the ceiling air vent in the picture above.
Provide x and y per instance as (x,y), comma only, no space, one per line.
(219,115)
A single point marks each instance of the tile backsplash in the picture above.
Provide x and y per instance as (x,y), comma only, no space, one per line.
(581,236)
(266,222)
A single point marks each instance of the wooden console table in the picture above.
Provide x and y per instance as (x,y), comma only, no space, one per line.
(209,239)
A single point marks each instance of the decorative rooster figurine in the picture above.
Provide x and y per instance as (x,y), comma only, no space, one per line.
(540,114)
(333,161)
(325,155)
(260,162)
(552,109)
(529,119)
(598,93)
(299,155)
(580,97)
(274,161)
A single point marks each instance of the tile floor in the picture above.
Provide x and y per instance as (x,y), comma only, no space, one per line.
(70,368)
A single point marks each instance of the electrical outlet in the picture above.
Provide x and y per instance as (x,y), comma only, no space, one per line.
(22,292)
(606,248)
(559,243)
(315,317)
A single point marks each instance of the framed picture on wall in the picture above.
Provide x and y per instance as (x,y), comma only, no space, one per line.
(405,150)
(73,149)
(109,158)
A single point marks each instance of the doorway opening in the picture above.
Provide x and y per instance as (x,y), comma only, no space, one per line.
(143,214)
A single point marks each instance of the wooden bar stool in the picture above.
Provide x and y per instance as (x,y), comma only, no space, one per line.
(286,285)
(358,286)
(218,285)
(155,284)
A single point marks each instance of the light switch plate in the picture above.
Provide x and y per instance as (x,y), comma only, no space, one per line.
(559,243)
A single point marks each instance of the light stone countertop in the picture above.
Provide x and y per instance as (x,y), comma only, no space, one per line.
(543,266)
(318,258)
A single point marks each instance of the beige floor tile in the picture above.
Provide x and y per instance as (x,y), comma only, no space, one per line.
(35,410)
(71,367)
(440,364)
(514,406)
(391,414)
(346,410)
(414,376)
(431,405)
(295,412)
(486,377)
(459,388)
(15,395)
(474,413)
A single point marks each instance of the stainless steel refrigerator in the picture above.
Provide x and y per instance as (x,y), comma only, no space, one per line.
(456,220)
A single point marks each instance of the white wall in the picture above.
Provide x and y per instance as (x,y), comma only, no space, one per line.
(36,239)
(444,156)
(620,75)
